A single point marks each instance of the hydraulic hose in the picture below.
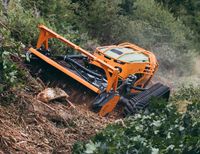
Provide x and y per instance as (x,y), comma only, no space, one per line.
(82,67)
(69,59)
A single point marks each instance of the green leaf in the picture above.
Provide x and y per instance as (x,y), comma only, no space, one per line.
(91,147)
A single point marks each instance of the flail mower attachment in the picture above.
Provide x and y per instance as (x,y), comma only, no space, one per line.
(106,83)
(116,73)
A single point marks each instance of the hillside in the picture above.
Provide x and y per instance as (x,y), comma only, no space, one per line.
(170,29)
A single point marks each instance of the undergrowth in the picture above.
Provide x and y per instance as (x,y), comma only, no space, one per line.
(163,130)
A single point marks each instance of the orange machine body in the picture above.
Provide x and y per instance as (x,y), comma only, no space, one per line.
(114,68)
(145,69)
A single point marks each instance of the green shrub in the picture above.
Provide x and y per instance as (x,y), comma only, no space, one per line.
(19,31)
(57,13)
(155,28)
(189,93)
(188,12)
(16,30)
(143,22)
(25,16)
(22,23)
(102,20)
(163,130)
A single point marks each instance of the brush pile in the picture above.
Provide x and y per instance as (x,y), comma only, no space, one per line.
(32,126)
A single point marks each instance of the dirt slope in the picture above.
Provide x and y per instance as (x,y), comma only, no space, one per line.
(30,126)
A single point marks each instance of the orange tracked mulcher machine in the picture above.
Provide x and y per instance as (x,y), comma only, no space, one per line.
(117,73)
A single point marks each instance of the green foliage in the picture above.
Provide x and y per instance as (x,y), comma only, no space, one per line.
(128,6)
(163,130)
(153,27)
(102,20)
(16,27)
(144,22)
(59,16)
(189,93)
(10,72)
(22,23)
(8,67)
(165,29)
(53,11)
(188,11)
(88,22)
(19,30)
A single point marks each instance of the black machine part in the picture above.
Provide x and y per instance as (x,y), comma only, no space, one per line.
(141,100)
(94,78)
(104,97)
(132,103)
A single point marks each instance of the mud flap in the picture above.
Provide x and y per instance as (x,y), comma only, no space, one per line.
(105,102)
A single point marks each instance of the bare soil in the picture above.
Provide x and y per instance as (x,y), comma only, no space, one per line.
(28,125)
(31,126)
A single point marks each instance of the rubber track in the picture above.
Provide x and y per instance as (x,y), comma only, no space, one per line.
(141,100)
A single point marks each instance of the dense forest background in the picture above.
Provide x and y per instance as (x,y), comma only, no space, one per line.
(168,28)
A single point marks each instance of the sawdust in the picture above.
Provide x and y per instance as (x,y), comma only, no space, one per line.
(31,126)
(28,125)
